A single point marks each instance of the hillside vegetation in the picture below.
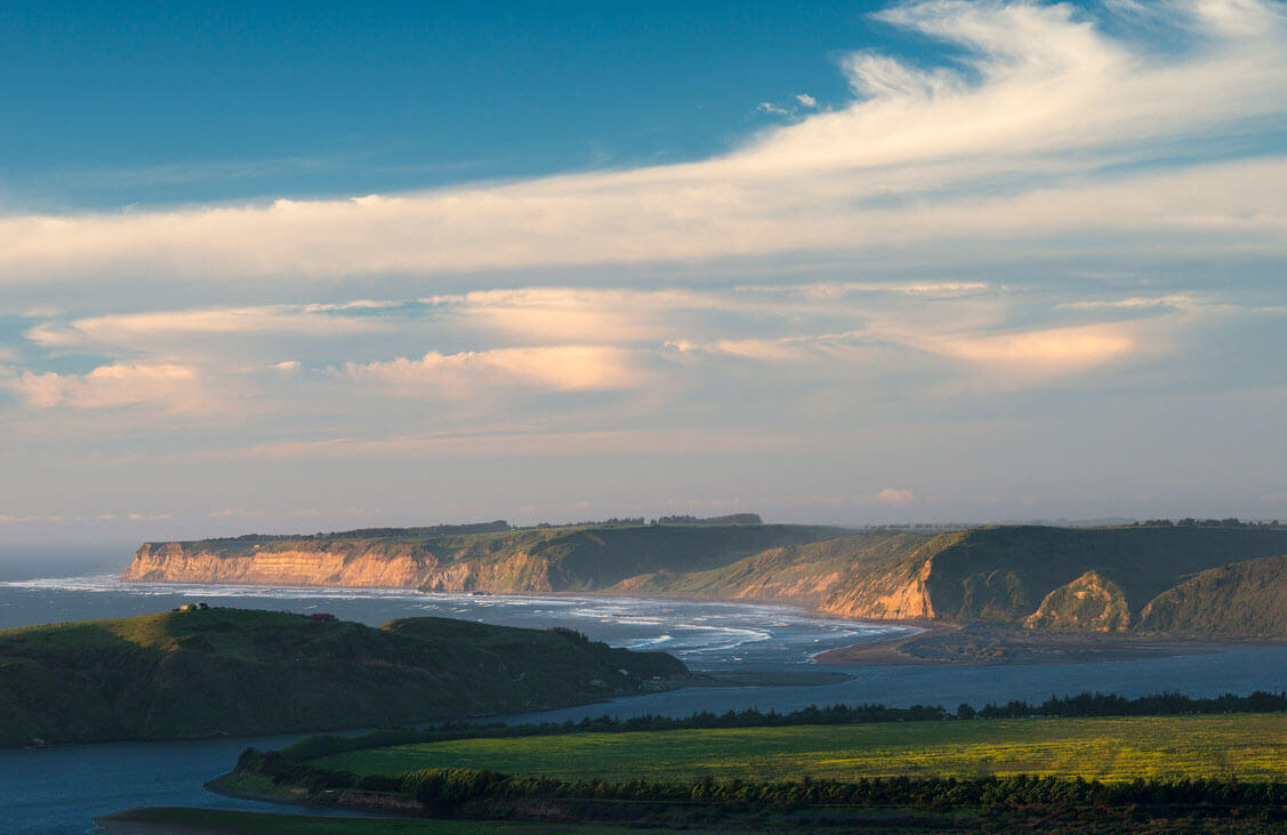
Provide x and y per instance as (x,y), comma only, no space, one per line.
(1246,598)
(1114,579)
(240,672)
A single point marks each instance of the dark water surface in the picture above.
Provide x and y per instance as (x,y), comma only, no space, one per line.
(58,790)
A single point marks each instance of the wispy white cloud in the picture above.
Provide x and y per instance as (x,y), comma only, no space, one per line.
(1132,303)
(565,368)
(144,328)
(1032,139)
(1022,357)
(170,387)
(772,109)
(1044,353)
(526,444)
(562,314)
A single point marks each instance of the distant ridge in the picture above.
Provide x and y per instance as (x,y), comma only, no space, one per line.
(1138,577)
(542,559)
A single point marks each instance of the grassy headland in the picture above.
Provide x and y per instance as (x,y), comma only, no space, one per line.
(232,672)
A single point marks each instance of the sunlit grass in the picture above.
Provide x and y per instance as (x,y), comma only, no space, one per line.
(1245,746)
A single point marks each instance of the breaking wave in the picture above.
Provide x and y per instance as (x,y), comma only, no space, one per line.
(704,634)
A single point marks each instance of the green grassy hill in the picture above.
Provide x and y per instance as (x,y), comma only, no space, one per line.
(239,672)
(1004,573)
(1247,598)
(1067,579)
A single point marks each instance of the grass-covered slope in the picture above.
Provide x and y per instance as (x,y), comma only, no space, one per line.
(1045,578)
(1005,574)
(236,672)
(1247,598)
(1077,579)
(809,573)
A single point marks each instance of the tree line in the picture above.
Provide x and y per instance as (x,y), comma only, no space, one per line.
(473,791)
(1190,522)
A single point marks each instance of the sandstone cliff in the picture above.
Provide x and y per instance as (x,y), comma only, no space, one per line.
(532,560)
(346,564)
(1102,579)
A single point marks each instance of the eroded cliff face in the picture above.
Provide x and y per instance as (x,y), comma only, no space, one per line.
(349,564)
(516,573)
(901,593)
(402,567)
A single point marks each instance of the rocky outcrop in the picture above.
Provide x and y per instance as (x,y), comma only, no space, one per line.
(901,592)
(1091,603)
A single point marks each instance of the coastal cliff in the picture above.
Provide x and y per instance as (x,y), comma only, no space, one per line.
(572,558)
(347,564)
(1041,578)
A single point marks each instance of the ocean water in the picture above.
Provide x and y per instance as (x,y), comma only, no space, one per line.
(706,636)
(58,790)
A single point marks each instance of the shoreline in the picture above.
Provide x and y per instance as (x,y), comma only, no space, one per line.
(951,644)
(933,643)
(884,651)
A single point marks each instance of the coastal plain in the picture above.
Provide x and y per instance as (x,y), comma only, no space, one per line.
(1250,747)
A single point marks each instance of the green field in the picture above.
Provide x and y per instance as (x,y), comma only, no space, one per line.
(212,822)
(1250,747)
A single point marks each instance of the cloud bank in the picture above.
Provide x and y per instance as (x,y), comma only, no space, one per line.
(1045,125)
(1044,257)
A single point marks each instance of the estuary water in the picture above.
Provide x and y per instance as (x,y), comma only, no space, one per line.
(58,790)
(705,635)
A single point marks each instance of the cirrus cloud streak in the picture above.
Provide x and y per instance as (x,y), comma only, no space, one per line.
(1037,132)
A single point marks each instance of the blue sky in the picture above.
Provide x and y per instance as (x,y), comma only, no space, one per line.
(282,267)
(229,100)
